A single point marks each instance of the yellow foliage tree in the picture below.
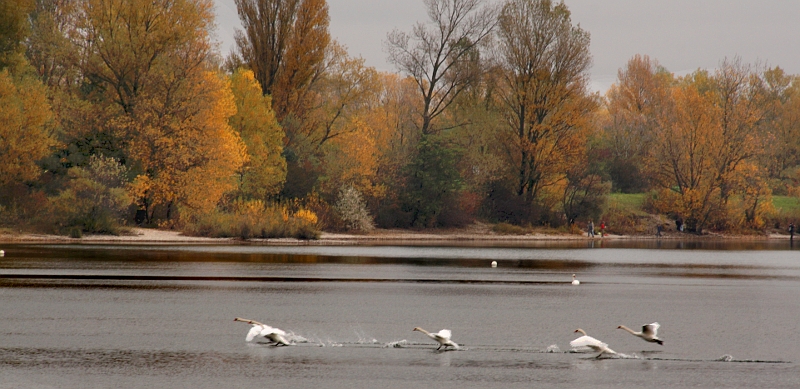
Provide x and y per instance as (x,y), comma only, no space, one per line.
(264,172)
(352,159)
(25,136)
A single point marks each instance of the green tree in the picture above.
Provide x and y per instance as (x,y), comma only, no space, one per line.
(433,183)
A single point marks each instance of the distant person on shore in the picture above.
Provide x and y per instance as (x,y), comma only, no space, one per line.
(679,224)
(791,231)
(590,229)
(602,229)
(658,229)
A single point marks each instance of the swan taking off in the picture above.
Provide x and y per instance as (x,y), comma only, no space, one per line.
(275,335)
(649,332)
(443,337)
(574,281)
(592,343)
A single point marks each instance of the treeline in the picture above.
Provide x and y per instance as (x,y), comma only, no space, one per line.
(116,113)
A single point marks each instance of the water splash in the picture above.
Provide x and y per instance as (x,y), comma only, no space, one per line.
(726,358)
(396,344)
(329,343)
(367,341)
(552,349)
(294,338)
(363,338)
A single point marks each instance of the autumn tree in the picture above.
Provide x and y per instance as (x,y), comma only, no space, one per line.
(14,28)
(438,55)
(547,105)
(264,171)
(50,47)
(147,70)
(707,145)
(632,104)
(782,128)
(283,43)
(25,133)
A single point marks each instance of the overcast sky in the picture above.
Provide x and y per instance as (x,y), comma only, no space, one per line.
(683,35)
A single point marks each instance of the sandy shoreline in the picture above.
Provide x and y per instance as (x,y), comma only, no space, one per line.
(474,234)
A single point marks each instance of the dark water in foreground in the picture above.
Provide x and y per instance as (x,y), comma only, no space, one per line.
(162,316)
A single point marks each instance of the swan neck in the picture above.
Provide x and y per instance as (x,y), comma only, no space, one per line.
(424,332)
(248,321)
(629,330)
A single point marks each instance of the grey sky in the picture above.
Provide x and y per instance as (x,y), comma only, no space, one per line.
(683,35)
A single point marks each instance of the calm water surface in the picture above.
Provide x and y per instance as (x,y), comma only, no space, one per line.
(95,316)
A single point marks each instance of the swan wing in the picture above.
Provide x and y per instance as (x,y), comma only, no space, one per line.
(444,334)
(588,341)
(266,331)
(650,329)
(254,331)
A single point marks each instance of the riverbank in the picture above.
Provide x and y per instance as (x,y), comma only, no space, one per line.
(478,233)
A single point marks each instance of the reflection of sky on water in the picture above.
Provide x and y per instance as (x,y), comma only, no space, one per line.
(400,263)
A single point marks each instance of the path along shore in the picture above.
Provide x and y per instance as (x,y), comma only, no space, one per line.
(476,234)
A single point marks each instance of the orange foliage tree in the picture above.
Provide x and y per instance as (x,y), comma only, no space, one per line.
(147,61)
(706,144)
(546,102)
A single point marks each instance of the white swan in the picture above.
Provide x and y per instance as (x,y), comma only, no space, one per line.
(443,337)
(649,332)
(574,281)
(592,343)
(275,335)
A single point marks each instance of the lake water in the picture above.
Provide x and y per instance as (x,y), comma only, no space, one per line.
(161,316)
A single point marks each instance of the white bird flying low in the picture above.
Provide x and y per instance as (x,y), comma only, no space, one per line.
(574,281)
(275,336)
(443,337)
(592,343)
(649,332)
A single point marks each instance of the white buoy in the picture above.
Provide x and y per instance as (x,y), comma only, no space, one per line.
(494,263)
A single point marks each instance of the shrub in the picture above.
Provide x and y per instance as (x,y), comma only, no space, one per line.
(352,209)
(254,219)
(94,199)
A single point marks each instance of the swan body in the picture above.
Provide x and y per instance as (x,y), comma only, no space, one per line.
(443,337)
(574,281)
(592,343)
(275,335)
(649,332)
